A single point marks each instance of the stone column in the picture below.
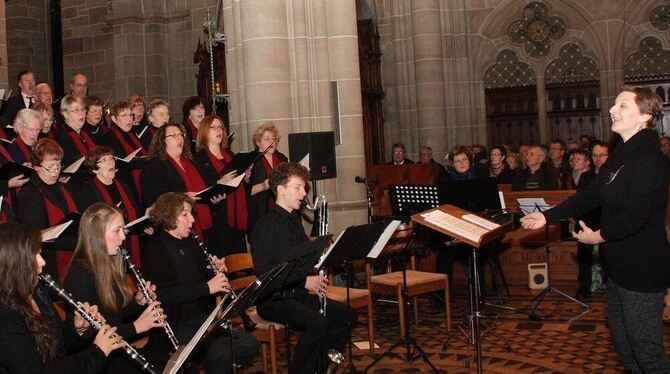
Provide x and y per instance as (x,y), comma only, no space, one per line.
(542,124)
(428,55)
(283,56)
(27,39)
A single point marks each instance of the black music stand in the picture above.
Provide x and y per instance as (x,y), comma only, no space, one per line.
(409,199)
(245,299)
(355,243)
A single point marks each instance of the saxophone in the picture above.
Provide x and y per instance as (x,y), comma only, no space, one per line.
(147,296)
(320,209)
(79,307)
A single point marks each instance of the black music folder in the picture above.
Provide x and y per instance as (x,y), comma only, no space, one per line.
(241,162)
(12,169)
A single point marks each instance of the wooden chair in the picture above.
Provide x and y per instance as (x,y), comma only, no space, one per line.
(418,282)
(267,333)
(358,298)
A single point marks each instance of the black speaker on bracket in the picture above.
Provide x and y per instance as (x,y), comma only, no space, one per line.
(321,149)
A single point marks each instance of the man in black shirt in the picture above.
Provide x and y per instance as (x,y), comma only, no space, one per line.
(275,235)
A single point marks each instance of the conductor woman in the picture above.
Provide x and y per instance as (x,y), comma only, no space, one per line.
(631,189)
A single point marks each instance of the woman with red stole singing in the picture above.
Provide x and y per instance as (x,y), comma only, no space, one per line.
(230,219)
(74,141)
(27,125)
(170,168)
(105,187)
(193,112)
(124,142)
(260,200)
(44,202)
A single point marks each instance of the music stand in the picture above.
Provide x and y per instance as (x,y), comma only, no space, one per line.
(442,219)
(355,243)
(409,199)
(247,297)
(528,206)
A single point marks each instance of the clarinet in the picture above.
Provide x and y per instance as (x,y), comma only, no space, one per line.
(79,307)
(147,296)
(249,325)
(320,209)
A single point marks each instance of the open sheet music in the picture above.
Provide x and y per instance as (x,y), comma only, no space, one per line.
(52,233)
(74,166)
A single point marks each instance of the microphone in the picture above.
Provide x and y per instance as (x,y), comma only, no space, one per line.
(365,180)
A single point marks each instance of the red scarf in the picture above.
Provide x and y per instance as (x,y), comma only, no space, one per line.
(125,138)
(55,214)
(268,170)
(153,129)
(82,146)
(194,183)
(237,201)
(131,213)
(23,147)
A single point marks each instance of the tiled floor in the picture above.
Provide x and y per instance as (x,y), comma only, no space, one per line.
(566,340)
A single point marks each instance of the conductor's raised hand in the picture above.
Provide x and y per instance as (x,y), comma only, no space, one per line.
(533,221)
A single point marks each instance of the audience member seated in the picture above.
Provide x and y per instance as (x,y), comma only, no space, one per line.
(536,175)
(498,167)
(398,155)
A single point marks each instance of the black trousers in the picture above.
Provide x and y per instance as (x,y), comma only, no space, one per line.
(318,333)
(215,352)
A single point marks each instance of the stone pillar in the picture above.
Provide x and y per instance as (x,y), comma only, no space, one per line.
(282,58)
(428,56)
(4,83)
(27,43)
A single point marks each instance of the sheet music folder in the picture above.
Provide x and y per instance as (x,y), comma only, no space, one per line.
(12,169)
(462,225)
(241,161)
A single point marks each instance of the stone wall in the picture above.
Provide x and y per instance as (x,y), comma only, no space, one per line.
(27,39)
(4,83)
(435,54)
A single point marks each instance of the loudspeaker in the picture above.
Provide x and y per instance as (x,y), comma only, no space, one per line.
(537,276)
(321,149)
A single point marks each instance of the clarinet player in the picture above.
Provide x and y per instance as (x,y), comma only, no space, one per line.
(275,234)
(177,267)
(32,337)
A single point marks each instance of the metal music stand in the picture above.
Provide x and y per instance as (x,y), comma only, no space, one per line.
(355,243)
(409,199)
(247,297)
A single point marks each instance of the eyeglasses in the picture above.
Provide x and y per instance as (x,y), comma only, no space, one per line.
(269,139)
(175,135)
(461,161)
(125,115)
(77,110)
(54,168)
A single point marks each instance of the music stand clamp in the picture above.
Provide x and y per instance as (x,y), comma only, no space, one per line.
(437,220)
(355,243)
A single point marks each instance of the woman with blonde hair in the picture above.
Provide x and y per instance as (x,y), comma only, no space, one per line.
(260,200)
(97,275)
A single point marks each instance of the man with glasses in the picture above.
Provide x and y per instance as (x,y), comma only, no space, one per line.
(398,155)
(557,160)
(599,153)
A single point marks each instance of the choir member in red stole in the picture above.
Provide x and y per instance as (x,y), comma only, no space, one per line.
(158,115)
(229,218)
(170,168)
(44,202)
(193,112)
(260,199)
(74,140)
(27,125)
(47,113)
(106,187)
(124,142)
(8,188)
